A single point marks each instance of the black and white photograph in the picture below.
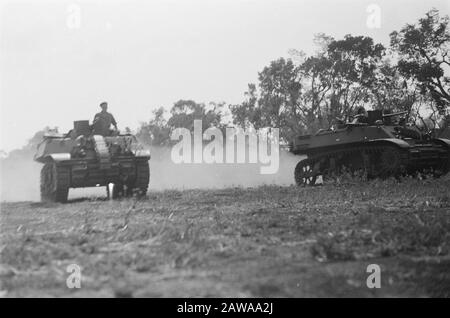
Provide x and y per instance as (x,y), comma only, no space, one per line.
(225,154)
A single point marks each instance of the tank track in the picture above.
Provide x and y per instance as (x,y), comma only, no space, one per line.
(54,183)
(375,161)
(140,185)
(142,177)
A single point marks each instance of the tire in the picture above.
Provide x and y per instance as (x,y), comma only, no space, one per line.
(304,173)
(54,183)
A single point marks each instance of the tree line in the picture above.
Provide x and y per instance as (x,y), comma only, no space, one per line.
(301,94)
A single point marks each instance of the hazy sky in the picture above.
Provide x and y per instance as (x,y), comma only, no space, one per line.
(57,65)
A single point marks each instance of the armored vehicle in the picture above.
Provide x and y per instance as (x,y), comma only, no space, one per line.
(82,159)
(379,146)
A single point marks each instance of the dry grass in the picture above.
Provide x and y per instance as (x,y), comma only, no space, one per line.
(266,241)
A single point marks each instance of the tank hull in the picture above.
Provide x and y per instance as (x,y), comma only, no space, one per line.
(377,151)
(88,173)
(79,160)
(129,175)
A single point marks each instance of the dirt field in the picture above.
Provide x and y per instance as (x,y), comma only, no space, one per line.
(266,241)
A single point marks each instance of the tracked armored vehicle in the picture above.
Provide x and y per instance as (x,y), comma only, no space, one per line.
(81,159)
(381,146)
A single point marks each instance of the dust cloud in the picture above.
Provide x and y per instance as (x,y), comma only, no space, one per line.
(20,175)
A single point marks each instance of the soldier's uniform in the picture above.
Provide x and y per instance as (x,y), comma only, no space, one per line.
(361,116)
(102,123)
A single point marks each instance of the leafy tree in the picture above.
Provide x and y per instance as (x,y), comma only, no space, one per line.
(275,102)
(156,132)
(352,66)
(393,92)
(316,84)
(247,113)
(423,52)
(184,112)
(306,97)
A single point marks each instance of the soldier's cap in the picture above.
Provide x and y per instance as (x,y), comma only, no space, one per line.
(103,103)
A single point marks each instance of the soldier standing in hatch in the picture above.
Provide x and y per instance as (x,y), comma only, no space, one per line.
(361,116)
(103,120)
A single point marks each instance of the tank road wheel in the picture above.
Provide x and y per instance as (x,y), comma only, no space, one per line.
(304,173)
(140,186)
(55,182)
